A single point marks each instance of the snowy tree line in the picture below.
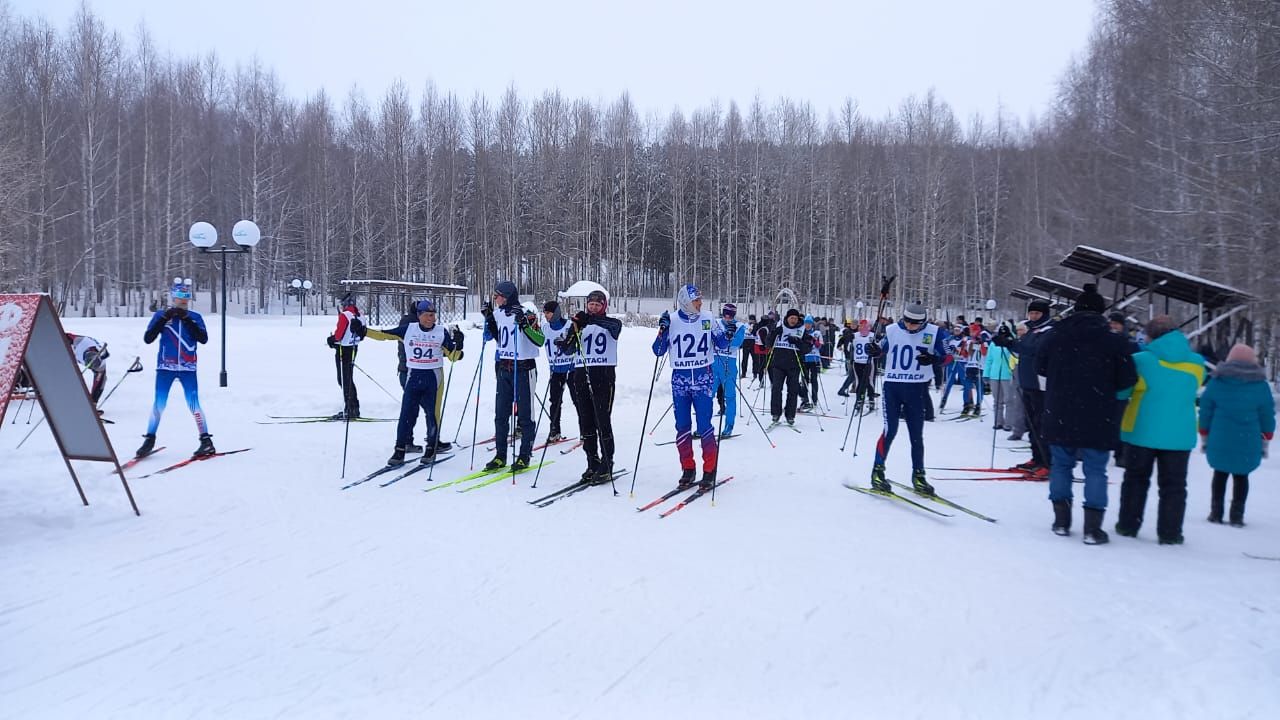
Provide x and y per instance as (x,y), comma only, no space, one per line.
(1163,145)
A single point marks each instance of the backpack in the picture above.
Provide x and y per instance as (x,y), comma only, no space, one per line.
(358,327)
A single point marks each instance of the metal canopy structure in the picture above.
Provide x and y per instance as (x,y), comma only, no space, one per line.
(1137,275)
(1028,296)
(1212,305)
(1057,288)
(384,301)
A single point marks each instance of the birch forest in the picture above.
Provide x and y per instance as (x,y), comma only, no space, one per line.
(1164,143)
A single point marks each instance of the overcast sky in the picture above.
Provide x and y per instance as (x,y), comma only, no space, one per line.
(975,53)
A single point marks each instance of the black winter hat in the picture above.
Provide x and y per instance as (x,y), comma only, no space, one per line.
(1039,306)
(507,289)
(550,306)
(1090,300)
(1116,317)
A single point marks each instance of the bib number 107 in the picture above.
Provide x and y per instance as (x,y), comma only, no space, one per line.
(903,358)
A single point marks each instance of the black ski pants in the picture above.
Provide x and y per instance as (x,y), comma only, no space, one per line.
(778,376)
(1171,478)
(1239,494)
(555,392)
(592,393)
(344,361)
(1033,406)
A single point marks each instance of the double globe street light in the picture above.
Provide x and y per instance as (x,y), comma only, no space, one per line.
(204,236)
(301,288)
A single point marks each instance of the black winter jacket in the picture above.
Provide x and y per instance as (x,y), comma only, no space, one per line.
(1084,365)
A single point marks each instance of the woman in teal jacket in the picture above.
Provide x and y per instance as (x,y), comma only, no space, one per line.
(1237,420)
(998,370)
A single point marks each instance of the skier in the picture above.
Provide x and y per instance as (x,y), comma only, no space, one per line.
(909,348)
(955,370)
(691,337)
(90,353)
(726,365)
(974,352)
(180,330)
(560,362)
(748,346)
(858,358)
(812,366)
(345,340)
(517,338)
(426,345)
(592,341)
(760,352)
(787,344)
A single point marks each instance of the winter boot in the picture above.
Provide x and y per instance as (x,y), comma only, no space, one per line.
(414,449)
(1093,532)
(555,437)
(148,446)
(590,448)
(686,479)
(878,483)
(428,456)
(1171,540)
(920,484)
(495,464)
(206,447)
(443,447)
(964,411)
(708,481)
(1239,494)
(1062,517)
(397,457)
(1126,531)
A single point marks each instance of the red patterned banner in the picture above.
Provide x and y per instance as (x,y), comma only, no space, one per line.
(17,317)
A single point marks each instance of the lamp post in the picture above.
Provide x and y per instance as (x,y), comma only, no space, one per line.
(204,236)
(301,288)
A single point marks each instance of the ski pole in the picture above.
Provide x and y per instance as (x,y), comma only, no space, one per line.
(444,405)
(465,404)
(659,420)
(346,411)
(997,397)
(475,422)
(759,424)
(704,461)
(636,470)
(375,382)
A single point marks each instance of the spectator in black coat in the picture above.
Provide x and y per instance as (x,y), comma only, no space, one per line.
(1084,365)
(1039,326)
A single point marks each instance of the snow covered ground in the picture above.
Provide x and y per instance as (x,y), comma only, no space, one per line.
(253,587)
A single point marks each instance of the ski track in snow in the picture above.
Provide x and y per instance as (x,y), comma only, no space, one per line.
(251,587)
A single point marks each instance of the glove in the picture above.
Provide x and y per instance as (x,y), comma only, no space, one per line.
(926,358)
(523,319)
(581,319)
(458,340)
(664,322)
(874,350)
(486,309)
(331,342)
(730,327)
(170,313)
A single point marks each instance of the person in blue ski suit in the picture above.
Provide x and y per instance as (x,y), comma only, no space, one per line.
(426,347)
(180,331)
(560,364)
(910,348)
(691,338)
(726,365)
